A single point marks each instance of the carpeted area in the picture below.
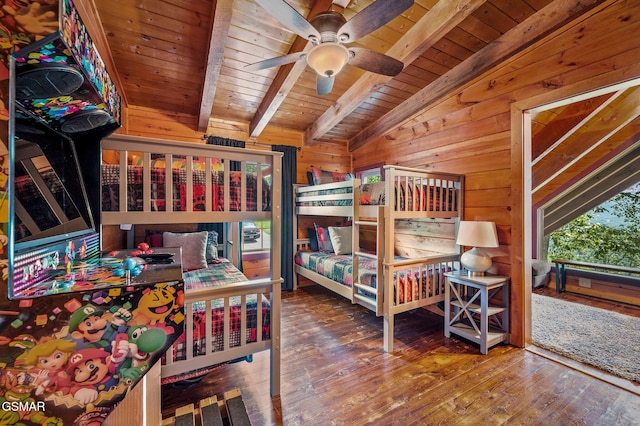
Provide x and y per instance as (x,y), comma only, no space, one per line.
(606,340)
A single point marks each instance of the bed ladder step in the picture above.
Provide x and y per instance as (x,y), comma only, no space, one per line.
(210,412)
(363,254)
(185,416)
(366,222)
(368,302)
(236,409)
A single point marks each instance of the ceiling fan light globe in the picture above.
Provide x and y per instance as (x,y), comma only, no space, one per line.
(328,59)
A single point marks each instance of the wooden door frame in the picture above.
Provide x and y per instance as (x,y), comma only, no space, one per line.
(522,214)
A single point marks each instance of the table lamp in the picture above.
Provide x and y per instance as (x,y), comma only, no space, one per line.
(477,234)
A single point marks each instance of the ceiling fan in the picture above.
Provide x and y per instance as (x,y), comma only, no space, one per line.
(328,32)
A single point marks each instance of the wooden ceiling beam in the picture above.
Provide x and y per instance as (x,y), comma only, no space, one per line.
(285,79)
(525,34)
(432,27)
(221,21)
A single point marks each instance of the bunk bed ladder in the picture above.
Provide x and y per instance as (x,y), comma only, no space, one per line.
(371,300)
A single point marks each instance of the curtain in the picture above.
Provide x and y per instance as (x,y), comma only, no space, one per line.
(233,166)
(217,140)
(289,173)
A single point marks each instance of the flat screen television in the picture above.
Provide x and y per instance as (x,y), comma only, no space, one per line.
(50,200)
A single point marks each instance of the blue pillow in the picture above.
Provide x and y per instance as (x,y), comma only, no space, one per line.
(313,239)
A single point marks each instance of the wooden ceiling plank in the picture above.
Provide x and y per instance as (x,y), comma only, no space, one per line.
(432,27)
(219,30)
(285,79)
(537,26)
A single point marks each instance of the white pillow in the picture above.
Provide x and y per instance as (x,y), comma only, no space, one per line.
(193,245)
(341,239)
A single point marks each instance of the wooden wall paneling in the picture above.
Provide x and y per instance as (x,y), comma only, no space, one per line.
(488,197)
(162,125)
(113,238)
(330,157)
(487,179)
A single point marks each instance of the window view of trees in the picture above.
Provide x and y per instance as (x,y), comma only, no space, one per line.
(608,234)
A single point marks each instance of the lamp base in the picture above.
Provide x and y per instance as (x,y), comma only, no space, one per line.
(476,262)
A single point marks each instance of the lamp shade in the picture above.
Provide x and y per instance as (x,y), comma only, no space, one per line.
(328,59)
(477,234)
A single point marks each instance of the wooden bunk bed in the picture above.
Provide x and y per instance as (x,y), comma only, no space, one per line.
(411,219)
(223,319)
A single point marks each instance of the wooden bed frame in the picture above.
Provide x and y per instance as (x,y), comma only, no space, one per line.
(438,252)
(268,162)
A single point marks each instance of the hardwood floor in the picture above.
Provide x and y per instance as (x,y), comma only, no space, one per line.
(334,372)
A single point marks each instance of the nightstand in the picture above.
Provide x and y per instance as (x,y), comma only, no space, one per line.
(469,314)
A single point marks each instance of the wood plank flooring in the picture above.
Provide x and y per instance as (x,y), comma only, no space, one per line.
(334,372)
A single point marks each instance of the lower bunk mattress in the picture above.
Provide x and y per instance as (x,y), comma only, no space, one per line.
(414,283)
(215,275)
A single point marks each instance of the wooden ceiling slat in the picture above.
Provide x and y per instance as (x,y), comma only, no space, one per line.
(159,27)
(495,18)
(518,10)
(160,12)
(136,43)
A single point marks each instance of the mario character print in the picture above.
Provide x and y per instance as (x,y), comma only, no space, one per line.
(90,328)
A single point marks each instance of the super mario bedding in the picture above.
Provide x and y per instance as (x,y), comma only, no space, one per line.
(218,274)
(111,190)
(339,268)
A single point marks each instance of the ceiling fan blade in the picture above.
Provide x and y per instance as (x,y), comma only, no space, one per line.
(290,18)
(371,18)
(275,62)
(376,62)
(324,84)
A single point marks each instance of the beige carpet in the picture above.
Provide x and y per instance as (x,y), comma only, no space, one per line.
(606,340)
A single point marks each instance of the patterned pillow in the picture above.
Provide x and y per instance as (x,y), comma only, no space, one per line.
(193,246)
(323,176)
(324,240)
(212,246)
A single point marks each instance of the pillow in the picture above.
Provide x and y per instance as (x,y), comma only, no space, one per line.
(193,248)
(211,251)
(313,239)
(341,239)
(153,238)
(324,241)
(323,176)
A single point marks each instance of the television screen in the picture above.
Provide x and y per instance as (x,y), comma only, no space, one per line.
(50,201)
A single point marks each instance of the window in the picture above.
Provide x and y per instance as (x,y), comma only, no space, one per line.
(256,236)
(370,174)
(608,234)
